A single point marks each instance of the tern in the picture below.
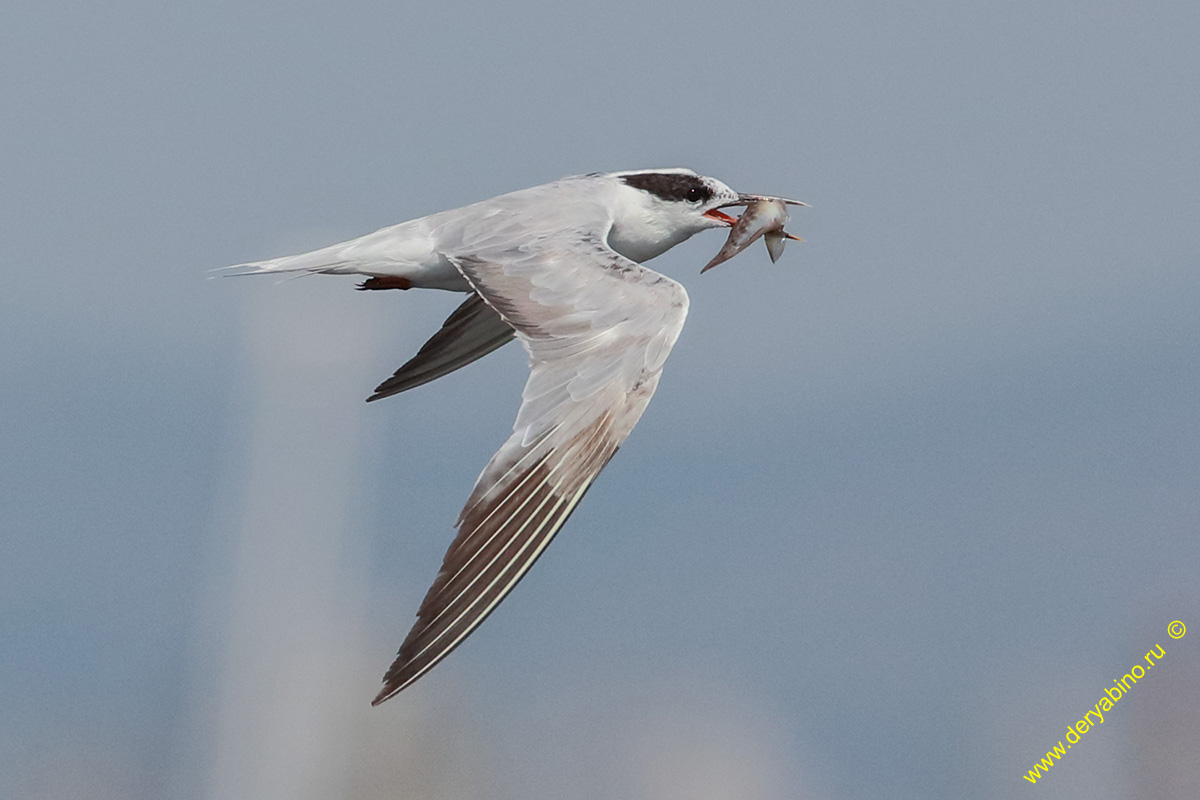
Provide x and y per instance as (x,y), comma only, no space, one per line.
(558,267)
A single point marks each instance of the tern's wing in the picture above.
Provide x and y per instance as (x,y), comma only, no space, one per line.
(470,333)
(598,328)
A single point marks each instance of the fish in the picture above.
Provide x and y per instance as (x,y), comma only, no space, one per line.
(765,217)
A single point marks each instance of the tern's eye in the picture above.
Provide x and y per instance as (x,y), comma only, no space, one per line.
(696,194)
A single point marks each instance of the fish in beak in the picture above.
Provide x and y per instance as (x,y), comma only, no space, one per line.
(764,216)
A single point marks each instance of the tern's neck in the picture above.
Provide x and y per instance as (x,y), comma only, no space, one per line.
(643,242)
(640,233)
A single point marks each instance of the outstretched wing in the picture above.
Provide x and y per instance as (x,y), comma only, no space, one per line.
(598,328)
(470,333)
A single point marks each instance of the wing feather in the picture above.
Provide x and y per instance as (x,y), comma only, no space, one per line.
(597,328)
(470,333)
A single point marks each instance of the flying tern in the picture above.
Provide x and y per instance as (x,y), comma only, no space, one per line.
(556,266)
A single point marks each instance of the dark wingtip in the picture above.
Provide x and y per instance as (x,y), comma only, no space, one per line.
(394,682)
(392,387)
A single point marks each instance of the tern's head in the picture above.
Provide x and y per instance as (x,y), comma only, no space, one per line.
(656,209)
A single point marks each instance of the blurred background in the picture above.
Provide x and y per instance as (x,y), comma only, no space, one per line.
(904,505)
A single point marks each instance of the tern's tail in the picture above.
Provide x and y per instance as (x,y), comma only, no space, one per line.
(331,260)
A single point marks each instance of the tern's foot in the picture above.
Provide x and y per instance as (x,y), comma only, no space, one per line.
(389,282)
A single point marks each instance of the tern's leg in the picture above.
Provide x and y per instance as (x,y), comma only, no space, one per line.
(388,282)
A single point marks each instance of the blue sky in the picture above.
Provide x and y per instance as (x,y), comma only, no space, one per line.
(905,502)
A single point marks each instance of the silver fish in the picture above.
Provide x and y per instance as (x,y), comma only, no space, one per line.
(765,217)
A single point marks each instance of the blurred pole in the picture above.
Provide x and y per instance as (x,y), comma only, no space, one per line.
(291,643)
(289,632)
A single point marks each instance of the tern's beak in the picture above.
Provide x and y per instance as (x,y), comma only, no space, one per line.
(747,199)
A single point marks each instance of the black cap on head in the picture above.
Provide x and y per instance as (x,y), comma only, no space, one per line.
(671,186)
